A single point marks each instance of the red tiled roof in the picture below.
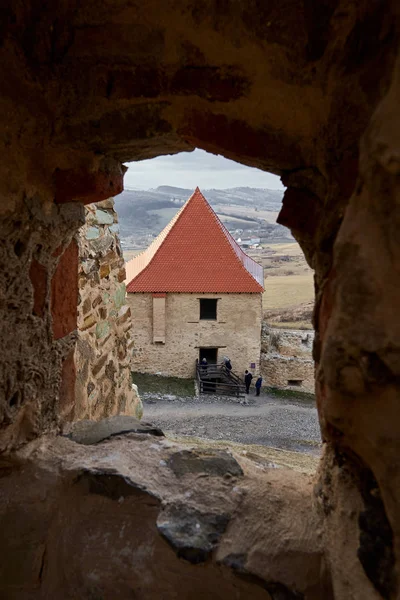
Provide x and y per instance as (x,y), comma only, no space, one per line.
(195,254)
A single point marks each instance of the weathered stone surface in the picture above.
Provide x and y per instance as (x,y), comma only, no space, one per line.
(105,326)
(215,464)
(177,357)
(38,277)
(286,359)
(104,217)
(83,185)
(91,432)
(192,534)
(94,520)
(92,233)
(64,292)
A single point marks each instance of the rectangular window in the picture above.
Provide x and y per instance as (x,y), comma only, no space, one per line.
(208,309)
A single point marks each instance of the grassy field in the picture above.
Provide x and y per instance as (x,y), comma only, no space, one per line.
(290,324)
(287,291)
(289,248)
(156,384)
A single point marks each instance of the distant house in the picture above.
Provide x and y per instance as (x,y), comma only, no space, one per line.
(250,243)
(194,293)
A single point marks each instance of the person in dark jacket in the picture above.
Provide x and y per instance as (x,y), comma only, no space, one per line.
(228,365)
(258,385)
(247,380)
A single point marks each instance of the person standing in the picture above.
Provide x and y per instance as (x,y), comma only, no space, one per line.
(228,365)
(247,380)
(258,385)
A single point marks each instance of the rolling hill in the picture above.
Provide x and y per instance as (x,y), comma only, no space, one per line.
(249,211)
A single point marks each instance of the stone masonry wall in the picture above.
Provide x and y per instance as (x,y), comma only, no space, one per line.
(104,321)
(286,356)
(236,332)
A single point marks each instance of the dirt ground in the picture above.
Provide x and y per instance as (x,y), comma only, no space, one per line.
(289,424)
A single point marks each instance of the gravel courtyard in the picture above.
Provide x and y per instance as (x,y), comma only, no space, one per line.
(290,423)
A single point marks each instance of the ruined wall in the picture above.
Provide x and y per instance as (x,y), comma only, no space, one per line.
(237,332)
(38,314)
(286,356)
(104,345)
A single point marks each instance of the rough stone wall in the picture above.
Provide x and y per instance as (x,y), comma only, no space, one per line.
(103,349)
(38,283)
(237,332)
(286,355)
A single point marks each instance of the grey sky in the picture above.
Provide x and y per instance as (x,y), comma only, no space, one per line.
(189,169)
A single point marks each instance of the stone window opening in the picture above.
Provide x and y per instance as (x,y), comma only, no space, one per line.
(340,202)
(208,309)
(295,382)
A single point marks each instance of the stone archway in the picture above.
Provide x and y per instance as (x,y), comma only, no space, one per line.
(306,90)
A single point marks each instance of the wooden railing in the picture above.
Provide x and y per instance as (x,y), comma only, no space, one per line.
(217,379)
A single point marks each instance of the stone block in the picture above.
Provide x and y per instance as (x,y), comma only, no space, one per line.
(102,313)
(82,185)
(121,275)
(121,351)
(119,296)
(64,292)
(106,204)
(96,301)
(92,233)
(87,305)
(99,365)
(88,322)
(102,329)
(104,271)
(124,314)
(103,217)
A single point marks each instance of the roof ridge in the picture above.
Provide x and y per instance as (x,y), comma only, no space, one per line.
(177,217)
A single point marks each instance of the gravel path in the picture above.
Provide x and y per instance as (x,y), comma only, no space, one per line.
(267,421)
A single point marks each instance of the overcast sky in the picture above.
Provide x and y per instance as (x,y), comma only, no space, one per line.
(198,168)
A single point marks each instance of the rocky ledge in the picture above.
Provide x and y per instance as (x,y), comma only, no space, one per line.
(127,514)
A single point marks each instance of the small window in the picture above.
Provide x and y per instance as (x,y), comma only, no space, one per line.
(295,382)
(208,309)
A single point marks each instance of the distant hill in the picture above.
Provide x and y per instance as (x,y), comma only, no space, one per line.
(246,212)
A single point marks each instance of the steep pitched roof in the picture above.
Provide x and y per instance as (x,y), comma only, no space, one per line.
(194,254)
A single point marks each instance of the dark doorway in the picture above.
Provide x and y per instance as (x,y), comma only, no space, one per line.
(210,354)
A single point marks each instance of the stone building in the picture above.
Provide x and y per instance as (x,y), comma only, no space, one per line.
(194,293)
(103,383)
(286,358)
